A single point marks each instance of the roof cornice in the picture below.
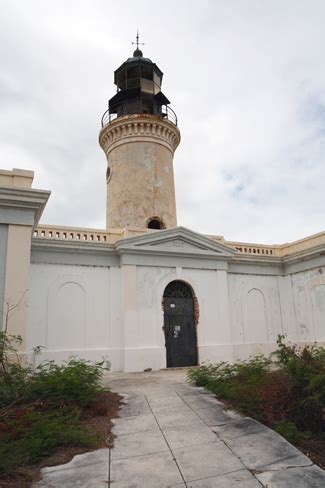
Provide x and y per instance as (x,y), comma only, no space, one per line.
(24,199)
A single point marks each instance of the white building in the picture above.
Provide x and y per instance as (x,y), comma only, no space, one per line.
(144,292)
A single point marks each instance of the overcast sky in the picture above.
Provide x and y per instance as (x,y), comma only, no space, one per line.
(246,79)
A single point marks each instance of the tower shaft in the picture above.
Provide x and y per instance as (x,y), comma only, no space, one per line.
(140,176)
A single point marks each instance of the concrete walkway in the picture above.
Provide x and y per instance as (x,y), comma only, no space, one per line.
(172,434)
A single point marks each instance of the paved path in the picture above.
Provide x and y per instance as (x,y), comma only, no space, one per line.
(172,434)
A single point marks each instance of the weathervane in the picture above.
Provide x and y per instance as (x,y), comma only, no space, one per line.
(137,41)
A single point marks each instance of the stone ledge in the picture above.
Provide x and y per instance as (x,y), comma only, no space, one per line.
(139,128)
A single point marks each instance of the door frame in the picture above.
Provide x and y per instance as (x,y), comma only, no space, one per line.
(195,316)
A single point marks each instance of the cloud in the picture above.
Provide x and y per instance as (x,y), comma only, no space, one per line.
(246,78)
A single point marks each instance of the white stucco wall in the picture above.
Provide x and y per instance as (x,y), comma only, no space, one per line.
(117,312)
(75,310)
(263,306)
(97,311)
(256,316)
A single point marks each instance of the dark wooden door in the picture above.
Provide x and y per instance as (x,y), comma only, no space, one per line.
(180,331)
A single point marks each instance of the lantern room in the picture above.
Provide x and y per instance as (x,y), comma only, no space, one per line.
(138,81)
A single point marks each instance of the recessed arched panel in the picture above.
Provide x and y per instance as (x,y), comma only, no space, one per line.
(317,294)
(254,317)
(66,324)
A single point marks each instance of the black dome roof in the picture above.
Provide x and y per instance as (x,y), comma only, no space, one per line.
(138,59)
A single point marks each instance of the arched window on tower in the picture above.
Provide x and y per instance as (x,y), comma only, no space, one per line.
(155,223)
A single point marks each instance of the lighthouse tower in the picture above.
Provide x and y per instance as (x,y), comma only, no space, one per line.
(139,136)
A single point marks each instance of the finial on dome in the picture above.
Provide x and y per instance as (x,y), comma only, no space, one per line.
(138,53)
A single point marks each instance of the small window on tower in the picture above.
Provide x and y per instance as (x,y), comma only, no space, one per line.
(155,223)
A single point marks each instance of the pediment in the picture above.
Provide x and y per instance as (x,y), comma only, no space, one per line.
(178,240)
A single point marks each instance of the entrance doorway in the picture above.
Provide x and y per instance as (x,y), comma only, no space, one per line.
(179,325)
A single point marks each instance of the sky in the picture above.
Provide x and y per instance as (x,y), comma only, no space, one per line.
(245,77)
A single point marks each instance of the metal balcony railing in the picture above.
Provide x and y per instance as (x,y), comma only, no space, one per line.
(167,113)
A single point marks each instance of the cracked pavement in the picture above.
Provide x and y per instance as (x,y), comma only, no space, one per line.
(173,434)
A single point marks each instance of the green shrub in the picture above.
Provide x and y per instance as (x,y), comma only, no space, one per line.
(289,392)
(76,381)
(13,376)
(252,368)
(289,431)
(40,410)
(306,369)
(238,382)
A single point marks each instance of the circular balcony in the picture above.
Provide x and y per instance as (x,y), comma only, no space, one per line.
(167,113)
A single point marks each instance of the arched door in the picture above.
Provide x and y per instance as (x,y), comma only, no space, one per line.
(179,326)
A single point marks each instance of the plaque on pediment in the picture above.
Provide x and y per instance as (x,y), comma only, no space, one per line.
(178,243)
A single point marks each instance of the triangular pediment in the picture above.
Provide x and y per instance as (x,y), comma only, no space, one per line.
(178,240)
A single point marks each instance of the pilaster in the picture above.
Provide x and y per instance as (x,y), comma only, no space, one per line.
(20,210)
(130,315)
(223,306)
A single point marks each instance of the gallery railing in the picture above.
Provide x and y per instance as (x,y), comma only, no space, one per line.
(167,113)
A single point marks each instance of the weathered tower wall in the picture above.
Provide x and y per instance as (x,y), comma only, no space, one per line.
(140,175)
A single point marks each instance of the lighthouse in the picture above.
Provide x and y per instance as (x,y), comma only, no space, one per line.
(139,136)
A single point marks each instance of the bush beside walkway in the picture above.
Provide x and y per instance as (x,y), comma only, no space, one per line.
(285,391)
(54,410)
